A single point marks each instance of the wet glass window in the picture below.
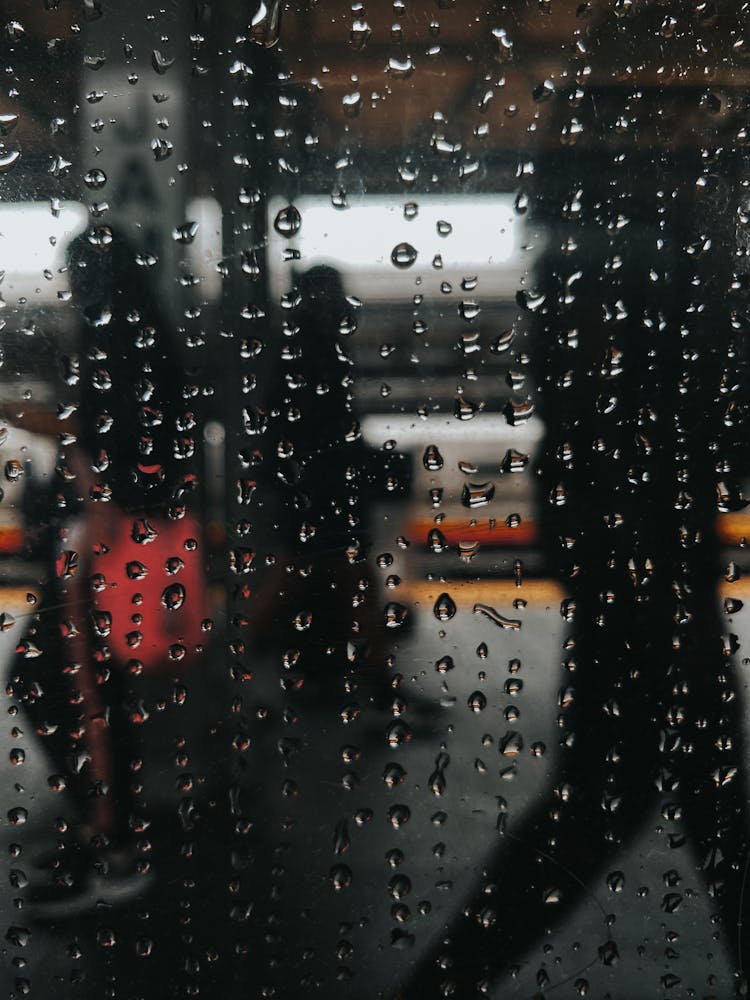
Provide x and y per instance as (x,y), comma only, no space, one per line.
(374,400)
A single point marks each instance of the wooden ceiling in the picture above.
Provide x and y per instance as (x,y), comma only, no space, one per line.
(486,76)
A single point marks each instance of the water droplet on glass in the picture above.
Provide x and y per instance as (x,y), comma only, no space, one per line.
(403,255)
(511,744)
(393,775)
(265,23)
(288,221)
(464,409)
(95,178)
(162,149)
(616,881)
(8,158)
(359,34)
(7,123)
(398,733)
(160,62)
(518,412)
(444,664)
(436,541)
(444,608)
(173,597)
(352,103)
(494,616)
(476,495)
(185,233)
(477,702)
(503,342)
(400,69)
(530,301)
(399,815)
(432,459)
(395,614)
(437,781)
(514,461)
(469,310)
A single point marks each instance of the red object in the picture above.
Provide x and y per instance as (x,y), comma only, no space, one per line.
(150,590)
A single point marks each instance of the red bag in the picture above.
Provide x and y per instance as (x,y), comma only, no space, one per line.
(150,594)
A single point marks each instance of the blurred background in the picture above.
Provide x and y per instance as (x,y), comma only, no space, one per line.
(413,264)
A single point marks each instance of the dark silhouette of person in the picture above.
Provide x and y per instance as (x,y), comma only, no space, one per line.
(326,476)
(122,482)
(636,322)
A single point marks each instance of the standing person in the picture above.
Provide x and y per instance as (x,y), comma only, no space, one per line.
(126,595)
(325,474)
(641,385)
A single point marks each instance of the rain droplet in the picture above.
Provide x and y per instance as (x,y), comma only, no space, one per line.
(464,409)
(437,780)
(288,221)
(494,616)
(530,301)
(732,605)
(476,495)
(444,608)
(399,886)
(398,733)
(469,310)
(95,178)
(502,342)
(432,459)
(7,123)
(185,233)
(265,23)
(399,815)
(511,744)
(160,62)
(514,461)
(352,103)
(518,413)
(9,158)
(444,664)
(341,839)
(395,614)
(477,702)
(403,255)
(173,597)
(436,541)
(393,775)
(400,69)
(616,881)
(359,35)
(162,149)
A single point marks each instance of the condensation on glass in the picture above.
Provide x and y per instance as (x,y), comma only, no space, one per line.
(373,444)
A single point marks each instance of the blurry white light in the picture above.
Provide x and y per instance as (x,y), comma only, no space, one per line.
(483,240)
(33,243)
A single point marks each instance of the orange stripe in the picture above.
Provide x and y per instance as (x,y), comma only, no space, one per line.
(496,592)
(732,529)
(482,531)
